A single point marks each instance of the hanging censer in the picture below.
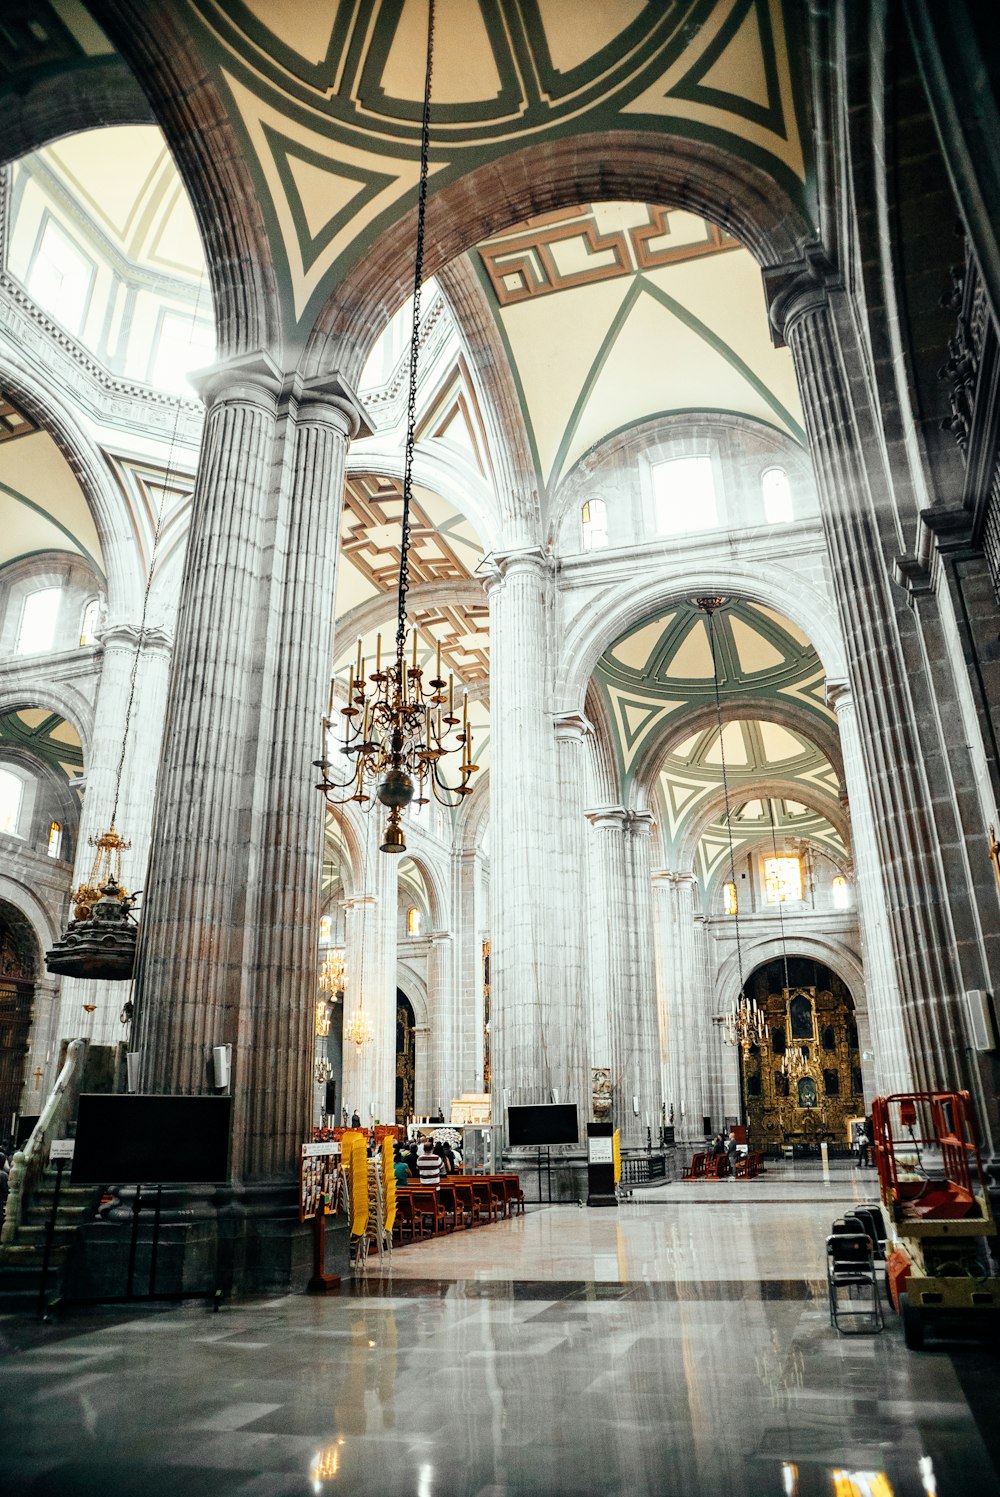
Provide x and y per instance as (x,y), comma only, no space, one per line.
(100,941)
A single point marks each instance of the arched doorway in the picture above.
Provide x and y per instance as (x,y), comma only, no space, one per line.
(406,1041)
(803,1082)
(18,970)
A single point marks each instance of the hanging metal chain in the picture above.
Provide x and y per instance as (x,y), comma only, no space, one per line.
(709,606)
(411,398)
(781,902)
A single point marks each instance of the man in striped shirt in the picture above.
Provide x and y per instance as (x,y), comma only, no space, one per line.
(428,1165)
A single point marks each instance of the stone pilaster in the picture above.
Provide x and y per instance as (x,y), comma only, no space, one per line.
(885,1064)
(469,923)
(371,920)
(445,1020)
(932,923)
(571,732)
(623,983)
(230,925)
(639,899)
(121,644)
(534,1053)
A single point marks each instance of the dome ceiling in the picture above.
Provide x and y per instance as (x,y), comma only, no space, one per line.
(47,736)
(325,101)
(662,669)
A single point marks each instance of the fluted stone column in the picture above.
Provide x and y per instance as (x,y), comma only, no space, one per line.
(231,917)
(932,921)
(618,985)
(639,900)
(134,812)
(533,1000)
(890,1069)
(685,997)
(571,732)
(469,923)
(370,959)
(443,1077)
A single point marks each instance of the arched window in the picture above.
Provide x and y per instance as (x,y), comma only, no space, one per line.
(325,929)
(829,1038)
(38,621)
(782,880)
(841,893)
(729,898)
(594,520)
(89,622)
(55,839)
(684,495)
(413,921)
(11,798)
(777,494)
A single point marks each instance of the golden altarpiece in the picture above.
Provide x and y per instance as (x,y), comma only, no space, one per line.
(802,1082)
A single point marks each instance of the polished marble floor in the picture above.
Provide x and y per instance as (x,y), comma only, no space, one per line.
(674,1346)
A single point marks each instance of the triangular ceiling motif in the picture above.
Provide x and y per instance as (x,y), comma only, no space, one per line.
(738,70)
(637,718)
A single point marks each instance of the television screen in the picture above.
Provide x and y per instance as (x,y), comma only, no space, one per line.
(137,1140)
(551,1123)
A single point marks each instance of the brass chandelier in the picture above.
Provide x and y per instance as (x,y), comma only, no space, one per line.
(397,728)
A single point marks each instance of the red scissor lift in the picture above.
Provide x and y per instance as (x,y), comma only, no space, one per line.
(936,1208)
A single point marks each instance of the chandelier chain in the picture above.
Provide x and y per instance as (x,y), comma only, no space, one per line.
(411,395)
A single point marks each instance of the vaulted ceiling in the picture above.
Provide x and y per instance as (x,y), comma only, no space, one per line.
(45,735)
(44,508)
(324,100)
(657,686)
(611,313)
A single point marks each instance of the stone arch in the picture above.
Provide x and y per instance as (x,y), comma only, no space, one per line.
(762,845)
(69,101)
(29,388)
(702,177)
(155,43)
(353,864)
(763,788)
(838,955)
(409,981)
(823,735)
(434,884)
(473,818)
(458,482)
(58,696)
(626,602)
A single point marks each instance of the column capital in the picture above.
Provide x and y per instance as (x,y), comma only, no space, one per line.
(607,818)
(641,823)
(524,561)
(571,727)
(438,937)
(252,378)
(328,400)
(839,695)
(359,901)
(135,637)
(795,289)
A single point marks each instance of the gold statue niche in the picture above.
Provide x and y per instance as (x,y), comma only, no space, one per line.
(803,1081)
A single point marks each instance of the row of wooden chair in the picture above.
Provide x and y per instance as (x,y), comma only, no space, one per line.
(459,1202)
(709,1167)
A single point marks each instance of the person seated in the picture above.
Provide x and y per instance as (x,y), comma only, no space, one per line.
(400,1169)
(429,1165)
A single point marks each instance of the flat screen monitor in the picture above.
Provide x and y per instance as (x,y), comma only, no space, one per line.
(548,1123)
(138,1140)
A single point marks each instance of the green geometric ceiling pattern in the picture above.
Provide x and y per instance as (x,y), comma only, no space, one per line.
(326,100)
(45,735)
(777,823)
(663,669)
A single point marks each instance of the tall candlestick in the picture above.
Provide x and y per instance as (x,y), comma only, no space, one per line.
(437,674)
(360,673)
(378,653)
(329,703)
(414,647)
(350,686)
(451,695)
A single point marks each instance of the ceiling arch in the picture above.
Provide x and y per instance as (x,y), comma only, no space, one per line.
(665,666)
